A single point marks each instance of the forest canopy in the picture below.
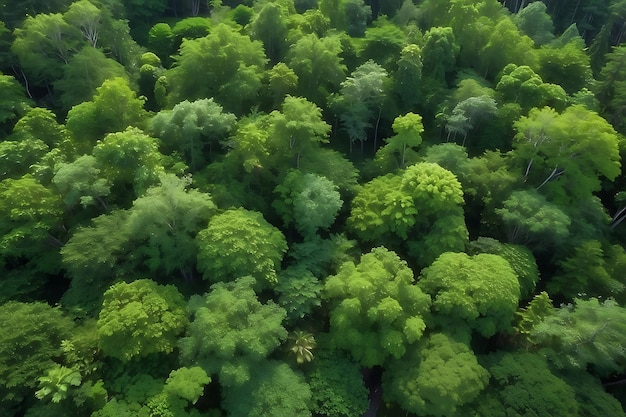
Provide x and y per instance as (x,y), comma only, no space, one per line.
(298,208)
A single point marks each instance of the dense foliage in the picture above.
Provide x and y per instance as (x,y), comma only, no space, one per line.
(312,208)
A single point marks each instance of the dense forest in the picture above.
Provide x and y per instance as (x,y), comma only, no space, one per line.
(300,208)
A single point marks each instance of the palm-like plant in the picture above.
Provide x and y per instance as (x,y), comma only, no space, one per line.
(301,345)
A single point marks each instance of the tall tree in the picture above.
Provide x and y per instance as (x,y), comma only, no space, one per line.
(481,291)
(140,318)
(230,64)
(376,310)
(231,331)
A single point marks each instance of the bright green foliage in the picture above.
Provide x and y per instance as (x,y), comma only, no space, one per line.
(376,311)
(533,314)
(442,375)
(161,41)
(89,18)
(44,44)
(308,201)
(522,385)
(13,102)
(577,147)
(506,45)
(140,318)
(425,199)
(84,73)
(40,124)
(187,383)
(439,53)
(231,331)
(531,219)
(114,108)
(274,389)
(567,66)
(79,182)
(190,28)
(299,292)
(519,257)
(586,273)
(28,213)
(248,144)
(452,157)
(533,21)
(240,242)
(230,65)
(17,158)
(301,345)
(282,81)
(167,218)
(318,66)
(520,84)
(401,148)
(193,129)
(57,382)
(588,333)
(297,129)
(270,27)
(31,338)
(337,386)
(332,165)
(481,291)
(129,158)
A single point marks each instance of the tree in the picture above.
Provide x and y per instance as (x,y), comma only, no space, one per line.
(520,84)
(586,334)
(297,129)
(401,148)
(560,150)
(586,271)
(439,53)
(231,331)
(522,383)
(114,108)
(376,311)
(84,73)
(230,64)
(273,389)
(317,64)
(408,77)
(240,242)
(140,318)
(87,17)
(301,346)
(163,225)
(481,291)
(566,65)
(270,27)
(444,375)
(30,341)
(611,87)
(29,213)
(193,129)
(505,46)
(282,81)
(362,93)
(80,182)
(422,206)
(337,387)
(383,43)
(357,13)
(13,102)
(307,201)
(129,159)
(533,21)
(298,292)
(43,45)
